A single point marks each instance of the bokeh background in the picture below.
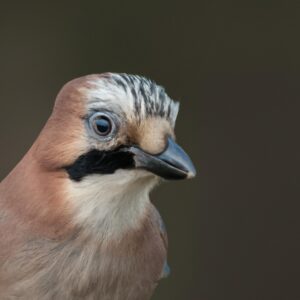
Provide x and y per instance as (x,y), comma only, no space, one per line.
(235,67)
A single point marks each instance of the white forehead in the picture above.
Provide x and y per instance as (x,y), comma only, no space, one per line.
(135,96)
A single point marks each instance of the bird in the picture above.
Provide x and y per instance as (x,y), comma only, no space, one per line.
(76,219)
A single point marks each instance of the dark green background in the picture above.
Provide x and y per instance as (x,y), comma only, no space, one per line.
(235,67)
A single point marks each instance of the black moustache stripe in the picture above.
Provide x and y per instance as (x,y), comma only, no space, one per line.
(100,162)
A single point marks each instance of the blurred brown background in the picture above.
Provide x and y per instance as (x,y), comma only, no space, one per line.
(235,67)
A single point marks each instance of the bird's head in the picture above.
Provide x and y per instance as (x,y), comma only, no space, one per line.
(102,124)
(112,135)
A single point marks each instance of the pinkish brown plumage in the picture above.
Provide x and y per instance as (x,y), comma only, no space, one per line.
(76,221)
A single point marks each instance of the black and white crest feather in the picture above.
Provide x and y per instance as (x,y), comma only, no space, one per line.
(137,95)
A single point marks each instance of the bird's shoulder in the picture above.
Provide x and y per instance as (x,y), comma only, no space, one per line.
(161,225)
(164,236)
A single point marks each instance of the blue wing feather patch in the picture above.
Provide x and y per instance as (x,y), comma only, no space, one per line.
(166,271)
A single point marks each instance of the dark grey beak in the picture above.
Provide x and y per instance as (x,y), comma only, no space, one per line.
(172,164)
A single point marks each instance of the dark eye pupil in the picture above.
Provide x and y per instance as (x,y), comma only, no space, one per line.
(103,125)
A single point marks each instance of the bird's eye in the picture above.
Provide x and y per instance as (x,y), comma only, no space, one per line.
(102,125)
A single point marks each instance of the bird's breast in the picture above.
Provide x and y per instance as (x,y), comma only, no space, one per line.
(127,268)
(86,267)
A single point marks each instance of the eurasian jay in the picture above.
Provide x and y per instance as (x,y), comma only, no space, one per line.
(76,221)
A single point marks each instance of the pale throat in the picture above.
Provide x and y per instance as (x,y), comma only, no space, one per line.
(112,204)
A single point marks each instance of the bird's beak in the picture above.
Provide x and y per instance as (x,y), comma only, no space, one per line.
(173,163)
